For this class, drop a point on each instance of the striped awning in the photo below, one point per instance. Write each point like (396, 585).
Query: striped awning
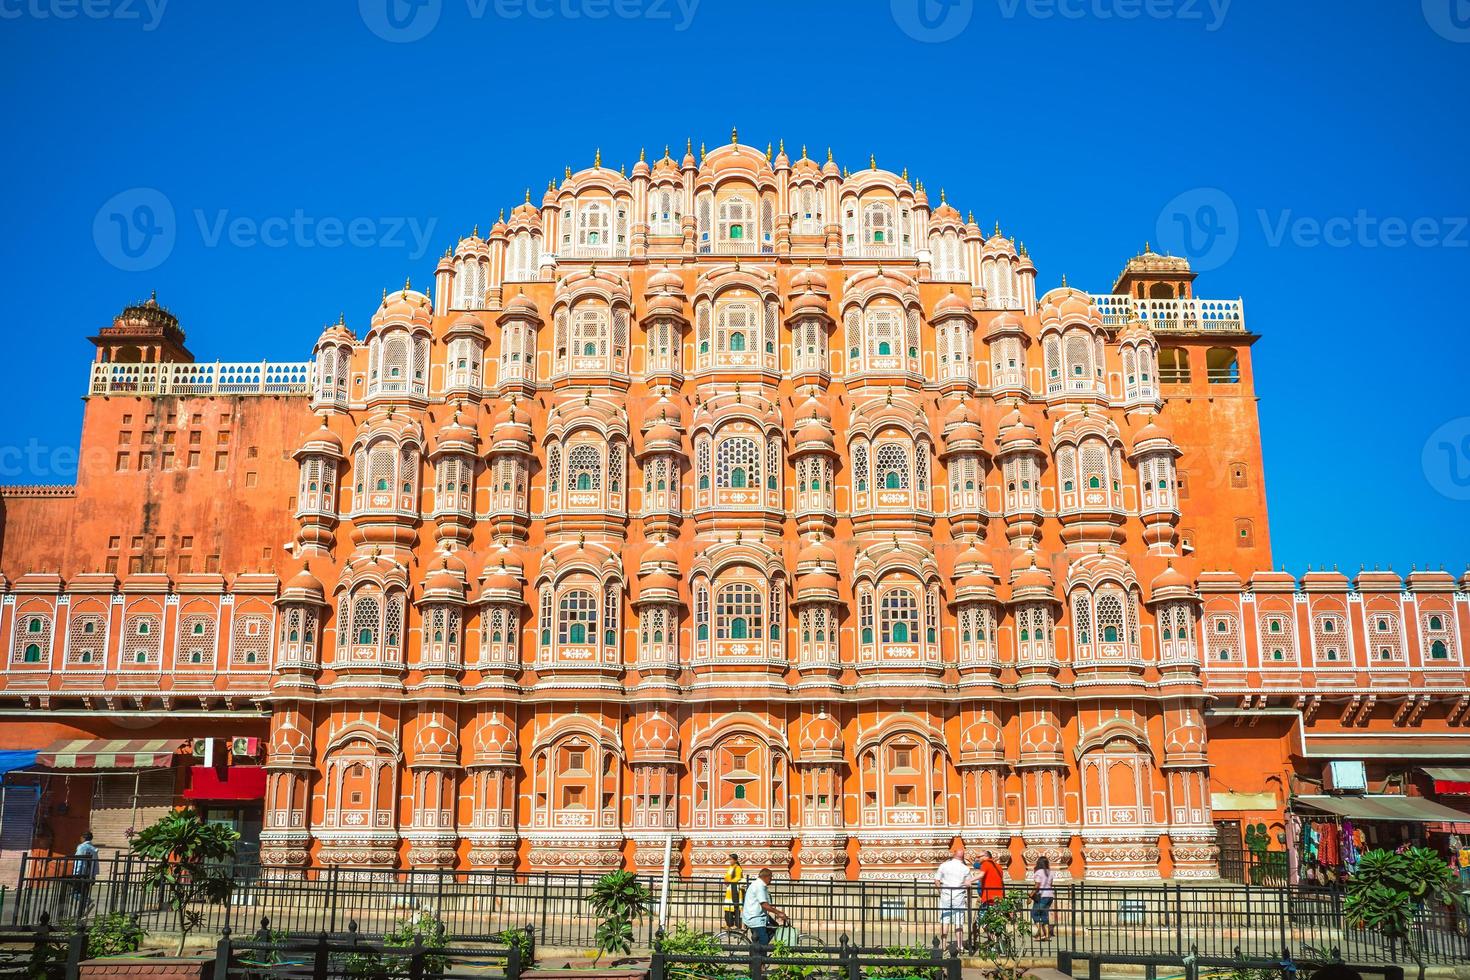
(115, 753)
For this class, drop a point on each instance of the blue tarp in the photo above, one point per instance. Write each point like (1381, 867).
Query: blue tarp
(17, 760)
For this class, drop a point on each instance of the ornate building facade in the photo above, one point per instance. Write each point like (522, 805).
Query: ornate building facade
(744, 501)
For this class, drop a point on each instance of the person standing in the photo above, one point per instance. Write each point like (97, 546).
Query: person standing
(758, 911)
(84, 871)
(1043, 893)
(734, 891)
(991, 885)
(953, 878)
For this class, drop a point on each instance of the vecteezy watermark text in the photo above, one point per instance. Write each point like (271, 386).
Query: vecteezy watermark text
(137, 229)
(405, 21)
(148, 13)
(1210, 13)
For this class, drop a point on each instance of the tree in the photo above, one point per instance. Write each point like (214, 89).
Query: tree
(1389, 890)
(620, 898)
(998, 930)
(188, 861)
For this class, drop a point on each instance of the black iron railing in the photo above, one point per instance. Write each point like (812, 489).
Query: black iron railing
(1158, 919)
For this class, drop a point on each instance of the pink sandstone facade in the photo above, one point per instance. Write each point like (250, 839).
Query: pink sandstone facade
(744, 501)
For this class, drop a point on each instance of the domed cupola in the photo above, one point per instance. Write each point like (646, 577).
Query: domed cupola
(333, 361)
(967, 462)
(666, 325)
(820, 740)
(1008, 341)
(954, 336)
(320, 460)
(661, 457)
(454, 455)
(655, 741)
(508, 468)
(398, 347)
(1021, 458)
(1153, 456)
(465, 355)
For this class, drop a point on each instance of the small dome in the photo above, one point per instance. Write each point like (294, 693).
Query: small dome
(665, 280)
(495, 742)
(520, 305)
(457, 434)
(323, 442)
(817, 552)
(809, 279)
(304, 585)
(982, 741)
(820, 738)
(816, 584)
(655, 739)
(953, 304)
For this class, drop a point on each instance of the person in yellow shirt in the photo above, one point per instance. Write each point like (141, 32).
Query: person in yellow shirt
(734, 891)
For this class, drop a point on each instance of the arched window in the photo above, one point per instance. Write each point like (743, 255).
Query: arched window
(739, 612)
(736, 216)
(899, 616)
(1438, 650)
(878, 224)
(589, 333)
(584, 468)
(893, 466)
(576, 617)
(701, 611)
(33, 653)
(592, 225)
(736, 463)
(865, 615)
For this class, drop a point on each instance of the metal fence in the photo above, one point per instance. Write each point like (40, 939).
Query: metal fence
(1160, 919)
(269, 956)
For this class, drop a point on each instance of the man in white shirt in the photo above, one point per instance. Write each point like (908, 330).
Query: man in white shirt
(954, 878)
(758, 912)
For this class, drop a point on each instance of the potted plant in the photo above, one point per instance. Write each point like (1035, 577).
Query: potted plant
(621, 900)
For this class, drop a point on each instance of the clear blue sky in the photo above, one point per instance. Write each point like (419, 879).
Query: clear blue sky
(1073, 122)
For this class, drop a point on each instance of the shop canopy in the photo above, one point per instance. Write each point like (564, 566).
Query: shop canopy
(116, 753)
(1422, 748)
(1407, 809)
(11, 761)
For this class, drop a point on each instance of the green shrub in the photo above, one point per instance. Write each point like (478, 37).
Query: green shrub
(114, 934)
(687, 941)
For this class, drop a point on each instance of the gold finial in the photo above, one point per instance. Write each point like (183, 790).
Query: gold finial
(587, 399)
(569, 173)
(623, 169)
(803, 151)
(781, 144)
(942, 198)
(689, 145)
(475, 233)
(385, 295)
(905, 174)
(407, 283)
(501, 219)
(873, 161)
(666, 151)
(734, 135)
(1022, 249)
(829, 154)
(997, 228)
(528, 195)
(702, 152)
(970, 218)
(341, 319)
(1064, 280)
(844, 173)
(642, 156)
(768, 151)
(551, 184)
(597, 158)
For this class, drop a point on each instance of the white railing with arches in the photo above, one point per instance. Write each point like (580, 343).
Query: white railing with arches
(211, 378)
(1174, 315)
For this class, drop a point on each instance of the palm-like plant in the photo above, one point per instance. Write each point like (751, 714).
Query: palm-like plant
(188, 861)
(621, 899)
(1389, 889)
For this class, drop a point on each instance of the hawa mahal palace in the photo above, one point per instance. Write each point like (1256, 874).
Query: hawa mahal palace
(745, 503)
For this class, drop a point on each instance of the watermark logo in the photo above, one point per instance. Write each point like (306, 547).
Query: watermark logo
(1203, 225)
(1450, 19)
(400, 21)
(1446, 459)
(147, 13)
(1209, 13)
(932, 21)
(135, 230)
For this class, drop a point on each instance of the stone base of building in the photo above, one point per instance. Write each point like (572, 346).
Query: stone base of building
(1121, 858)
(823, 857)
(710, 855)
(890, 858)
(648, 854)
(500, 852)
(576, 854)
(1055, 848)
(359, 853)
(1195, 856)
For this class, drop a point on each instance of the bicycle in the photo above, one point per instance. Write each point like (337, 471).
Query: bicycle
(786, 935)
